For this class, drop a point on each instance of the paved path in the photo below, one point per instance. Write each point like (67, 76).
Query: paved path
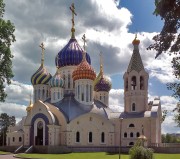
(7, 156)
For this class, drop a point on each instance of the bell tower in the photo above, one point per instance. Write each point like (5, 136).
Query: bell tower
(136, 83)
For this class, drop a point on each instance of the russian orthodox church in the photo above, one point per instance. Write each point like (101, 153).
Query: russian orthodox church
(71, 108)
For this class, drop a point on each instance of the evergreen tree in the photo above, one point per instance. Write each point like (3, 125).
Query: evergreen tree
(6, 38)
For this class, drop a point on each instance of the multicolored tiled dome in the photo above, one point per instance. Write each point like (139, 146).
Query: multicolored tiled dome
(84, 71)
(71, 55)
(41, 76)
(102, 85)
(56, 81)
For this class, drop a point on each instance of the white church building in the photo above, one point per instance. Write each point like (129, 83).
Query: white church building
(71, 108)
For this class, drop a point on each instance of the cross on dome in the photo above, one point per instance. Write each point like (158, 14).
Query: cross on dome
(72, 8)
(85, 41)
(42, 54)
(101, 64)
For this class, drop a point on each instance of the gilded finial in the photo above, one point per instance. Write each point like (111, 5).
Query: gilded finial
(42, 54)
(101, 64)
(72, 8)
(84, 46)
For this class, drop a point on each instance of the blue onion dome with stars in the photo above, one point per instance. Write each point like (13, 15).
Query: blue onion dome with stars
(57, 80)
(102, 83)
(41, 76)
(72, 53)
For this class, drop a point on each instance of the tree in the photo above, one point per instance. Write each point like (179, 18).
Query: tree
(5, 122)
(168, 41)
(6, 38)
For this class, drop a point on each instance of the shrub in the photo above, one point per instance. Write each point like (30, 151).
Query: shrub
(139, 152)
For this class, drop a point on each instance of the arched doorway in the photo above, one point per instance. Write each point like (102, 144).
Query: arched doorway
(39, 137)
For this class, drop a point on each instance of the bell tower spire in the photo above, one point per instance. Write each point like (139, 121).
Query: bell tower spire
(136, 83)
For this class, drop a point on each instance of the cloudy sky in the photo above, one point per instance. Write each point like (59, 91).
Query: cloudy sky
(109, 26)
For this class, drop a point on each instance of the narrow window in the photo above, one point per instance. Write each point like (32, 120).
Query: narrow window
(133, 83)
(125, 134)
(87, 93)
(78, 136)
(47, 93)
(137, 134)
(102, 137)
(43, 92)
(133, 108)
(131, 134)
(141, 83)
(39, 94)
(20, 139)
(78, 91)
(13, 139)
(82, 93)
(90, 93)
(69, 81)
(90, 137)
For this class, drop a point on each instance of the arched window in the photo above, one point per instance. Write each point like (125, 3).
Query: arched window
(90, 93)
(69, 81)
(131, 134)
(133, 108)
(137, 134)
(125, 134)
(87, 92)
(82, 93)
(78, 91)
(78, 136)
(131, 125)
(20, 139)
(43, 93)
(141, 83)
(131, 143)
(90, 137)
(39, 94)
(102, 137)
(133, 83)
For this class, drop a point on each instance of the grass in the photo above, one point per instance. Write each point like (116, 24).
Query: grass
(4, 153)
(98, 155)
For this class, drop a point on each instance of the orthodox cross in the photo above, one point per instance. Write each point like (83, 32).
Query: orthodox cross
(84, 40)
(42, 58)
(101, 63)
(72, 8)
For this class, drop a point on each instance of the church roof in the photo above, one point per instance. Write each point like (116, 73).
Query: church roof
(72, 109)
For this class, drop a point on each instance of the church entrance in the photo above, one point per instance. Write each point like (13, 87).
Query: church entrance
(39, 137)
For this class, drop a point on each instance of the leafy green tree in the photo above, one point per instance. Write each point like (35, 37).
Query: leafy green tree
(6, 38)
(5, 122)
(168, 41)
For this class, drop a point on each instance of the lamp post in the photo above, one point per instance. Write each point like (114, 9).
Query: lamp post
(120, 127)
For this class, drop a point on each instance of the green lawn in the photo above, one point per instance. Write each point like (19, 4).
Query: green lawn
(98, 155)
(4, 153)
